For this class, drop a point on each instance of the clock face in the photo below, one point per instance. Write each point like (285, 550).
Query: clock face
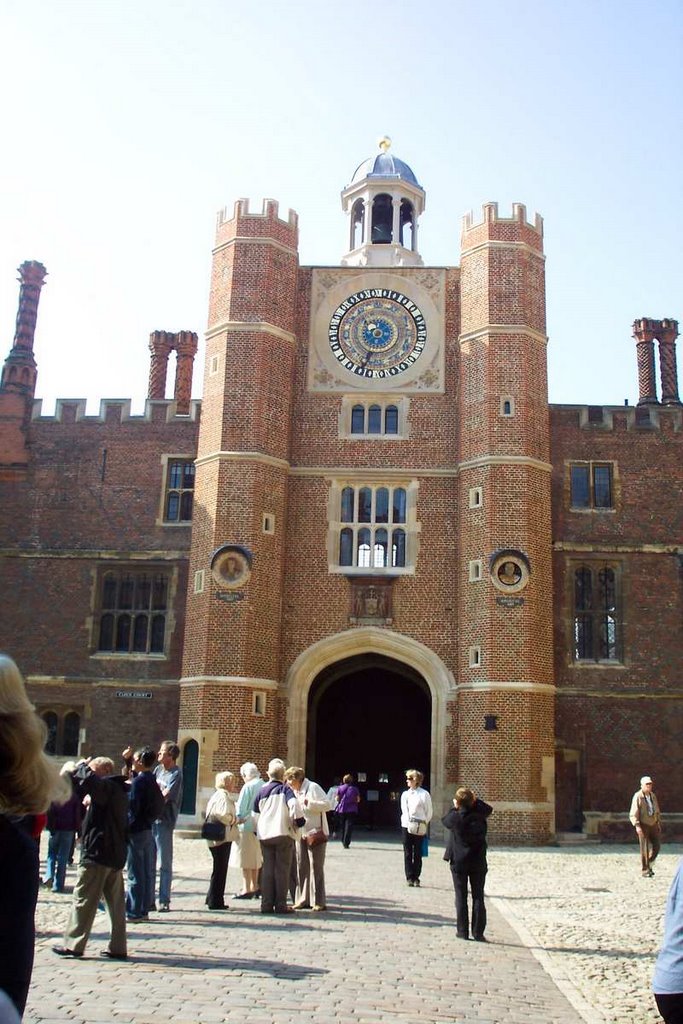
(377, 333)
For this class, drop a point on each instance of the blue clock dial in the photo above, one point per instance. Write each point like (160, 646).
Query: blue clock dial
(377, 333)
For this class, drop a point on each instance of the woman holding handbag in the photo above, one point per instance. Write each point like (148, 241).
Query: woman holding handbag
(220, 811)
(416, 813)
(312, 839)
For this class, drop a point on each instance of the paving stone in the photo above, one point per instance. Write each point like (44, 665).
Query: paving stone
(562, 949)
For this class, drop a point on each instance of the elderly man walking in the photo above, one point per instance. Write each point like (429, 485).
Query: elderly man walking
(646, 819)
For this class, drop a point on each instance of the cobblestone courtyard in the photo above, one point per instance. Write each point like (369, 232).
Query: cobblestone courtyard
(573, 933)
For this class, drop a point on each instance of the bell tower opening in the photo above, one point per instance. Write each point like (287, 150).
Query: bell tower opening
(384, 202)
(370, 715)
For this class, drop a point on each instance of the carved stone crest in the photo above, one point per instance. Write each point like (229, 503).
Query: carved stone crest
(371, 601)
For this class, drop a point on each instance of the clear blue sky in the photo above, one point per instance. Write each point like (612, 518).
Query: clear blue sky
(126, 125)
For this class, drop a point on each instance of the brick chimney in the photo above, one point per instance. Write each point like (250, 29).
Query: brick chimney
(18, 382)
(668, 332)
(161, 344)
(20, 372)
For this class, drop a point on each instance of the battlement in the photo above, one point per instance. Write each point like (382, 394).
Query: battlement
(244, 225)
(490, 215)
(607, 418)
(116, 410)
(270, 211)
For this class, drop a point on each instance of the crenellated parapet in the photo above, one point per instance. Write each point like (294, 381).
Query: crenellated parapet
(640, 418)
(245, 224)
(494, 228)
(117, 410)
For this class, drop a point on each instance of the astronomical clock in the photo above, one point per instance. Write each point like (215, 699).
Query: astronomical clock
(377, 331)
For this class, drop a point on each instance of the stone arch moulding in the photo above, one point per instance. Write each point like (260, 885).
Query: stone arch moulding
(371, 640)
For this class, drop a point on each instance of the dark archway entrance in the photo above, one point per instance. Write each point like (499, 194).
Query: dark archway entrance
(371, 716)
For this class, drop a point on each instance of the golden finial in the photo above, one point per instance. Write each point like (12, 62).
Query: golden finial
(384, 143)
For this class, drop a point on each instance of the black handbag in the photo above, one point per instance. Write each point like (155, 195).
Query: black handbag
(214, 831)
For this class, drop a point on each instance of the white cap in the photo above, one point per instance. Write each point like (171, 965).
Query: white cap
(645, 779)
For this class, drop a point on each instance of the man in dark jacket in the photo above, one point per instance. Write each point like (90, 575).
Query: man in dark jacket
(146, 804)
(466, 853)
(104, 839)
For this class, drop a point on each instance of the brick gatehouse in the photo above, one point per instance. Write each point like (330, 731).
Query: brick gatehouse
(378, 547)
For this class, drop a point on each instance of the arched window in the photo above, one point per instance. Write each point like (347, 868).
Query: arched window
(399, 506)
(382, 505)
(72, 729)
(364, 548)
(347, 503)
(367, 542)
(391, 420)
(365, 505)
(346, 547)
(357, 223)
(597, 624)
(358, 419)
(382, 217)
(381, 544)
(398, 548)
(190, 771)
(374, 420)
(51, 721)
(407, 224)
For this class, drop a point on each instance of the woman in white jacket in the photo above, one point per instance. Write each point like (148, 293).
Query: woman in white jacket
(416, 813)
(313, 805)
(221, 807)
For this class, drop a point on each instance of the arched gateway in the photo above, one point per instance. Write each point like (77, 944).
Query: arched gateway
(400, 670)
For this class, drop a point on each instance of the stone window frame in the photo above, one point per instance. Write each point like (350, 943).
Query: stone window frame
(169, 488)
(596, 566)
(475, 656)
(61, 714)
(110, 605)
(475, 570)
(259, 704)
(382, 402)
(476, 497)
(590, 466)
(410, 525)
(507, 406)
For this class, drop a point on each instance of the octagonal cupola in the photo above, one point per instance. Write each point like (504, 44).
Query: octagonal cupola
(384, 202)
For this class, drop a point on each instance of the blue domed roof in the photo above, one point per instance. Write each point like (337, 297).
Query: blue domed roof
(384, 165)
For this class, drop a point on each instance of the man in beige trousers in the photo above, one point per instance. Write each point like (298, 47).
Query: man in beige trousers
(646, 819)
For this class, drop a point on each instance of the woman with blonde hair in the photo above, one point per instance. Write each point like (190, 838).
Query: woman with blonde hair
(29, 782)
(221, 808)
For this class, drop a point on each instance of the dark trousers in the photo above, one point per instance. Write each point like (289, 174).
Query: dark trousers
(412, 855)
(476, 876)
(670, 1007)
(20, 872)
(215, 897)
(277, 863)
(346, 823)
